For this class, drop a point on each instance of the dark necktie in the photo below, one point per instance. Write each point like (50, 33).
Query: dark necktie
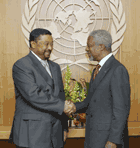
(96, 71)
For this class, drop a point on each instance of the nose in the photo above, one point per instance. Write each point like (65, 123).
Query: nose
(50, 47)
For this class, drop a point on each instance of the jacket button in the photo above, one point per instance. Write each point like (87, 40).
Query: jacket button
(94, 100)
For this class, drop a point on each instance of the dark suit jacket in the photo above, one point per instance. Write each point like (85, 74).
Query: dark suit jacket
(107, 106)
(39, 120)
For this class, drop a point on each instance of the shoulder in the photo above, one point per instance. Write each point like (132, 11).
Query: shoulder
(119, 66)
(54, 64)
(23, 62)
(119, 70)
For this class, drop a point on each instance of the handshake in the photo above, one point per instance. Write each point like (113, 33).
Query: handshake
(69, 108)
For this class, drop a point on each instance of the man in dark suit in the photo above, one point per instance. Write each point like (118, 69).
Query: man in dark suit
(107, 104)
(39, 121)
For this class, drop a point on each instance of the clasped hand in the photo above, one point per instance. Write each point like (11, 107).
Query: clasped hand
(69, 108)
(110, 145)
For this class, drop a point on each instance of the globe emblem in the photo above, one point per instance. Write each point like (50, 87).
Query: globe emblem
(71, 21)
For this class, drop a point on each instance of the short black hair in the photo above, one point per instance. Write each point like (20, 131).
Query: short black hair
(36, 33)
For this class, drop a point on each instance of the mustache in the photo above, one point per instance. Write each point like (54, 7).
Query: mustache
(47, 51)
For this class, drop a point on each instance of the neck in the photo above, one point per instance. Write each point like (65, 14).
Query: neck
(104, 54)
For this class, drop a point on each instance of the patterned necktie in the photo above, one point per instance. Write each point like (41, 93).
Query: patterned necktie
(96, 71)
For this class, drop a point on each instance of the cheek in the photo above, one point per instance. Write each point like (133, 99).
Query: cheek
(42, 48)
(92, 51)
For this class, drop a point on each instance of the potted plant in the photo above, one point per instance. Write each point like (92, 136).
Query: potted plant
(76, 92)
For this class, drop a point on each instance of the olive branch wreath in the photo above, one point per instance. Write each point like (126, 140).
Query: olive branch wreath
(118, 27)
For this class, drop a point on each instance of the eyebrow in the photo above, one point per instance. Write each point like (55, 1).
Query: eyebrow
(48, 42)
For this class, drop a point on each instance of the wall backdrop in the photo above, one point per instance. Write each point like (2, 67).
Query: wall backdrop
(13, 46)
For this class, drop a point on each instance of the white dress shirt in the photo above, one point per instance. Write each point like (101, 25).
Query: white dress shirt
(44, 63)
(102, 62)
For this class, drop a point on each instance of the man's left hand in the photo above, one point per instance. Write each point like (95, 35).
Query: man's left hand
(65, 135)
(110, 145)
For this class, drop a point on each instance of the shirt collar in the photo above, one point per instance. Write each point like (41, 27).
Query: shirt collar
(102, 62)
(43, 62)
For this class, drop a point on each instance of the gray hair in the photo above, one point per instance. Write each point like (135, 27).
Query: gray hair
(102, 37)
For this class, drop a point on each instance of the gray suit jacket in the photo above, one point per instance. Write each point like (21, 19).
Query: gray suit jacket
(39, 120)
(107, 106)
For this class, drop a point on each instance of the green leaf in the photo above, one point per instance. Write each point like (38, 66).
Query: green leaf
(90, 72)
(68, 98)
(71, 118)
(79, 85)
(87, 85)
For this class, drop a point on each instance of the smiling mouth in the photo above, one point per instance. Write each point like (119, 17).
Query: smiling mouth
(47, 52)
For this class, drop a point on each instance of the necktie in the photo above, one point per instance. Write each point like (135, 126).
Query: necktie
(96, 71)
(47, 68)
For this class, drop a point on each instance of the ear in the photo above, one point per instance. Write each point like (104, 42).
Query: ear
(33, 44)
(101, 46)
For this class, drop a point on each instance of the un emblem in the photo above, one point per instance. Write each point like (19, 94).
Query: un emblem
(70, 22)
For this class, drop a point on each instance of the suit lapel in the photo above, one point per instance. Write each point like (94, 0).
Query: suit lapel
(40, 69)
(101, 74)
(54, 73)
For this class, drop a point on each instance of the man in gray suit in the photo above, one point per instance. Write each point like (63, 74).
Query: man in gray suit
(39, 121)
(108, 102)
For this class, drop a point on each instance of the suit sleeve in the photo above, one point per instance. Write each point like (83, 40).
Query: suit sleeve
(24, 81)
(120, 90)
(64, 116)
(81, 107)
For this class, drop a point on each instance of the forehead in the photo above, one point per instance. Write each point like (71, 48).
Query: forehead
(45, 38)
(90, 41)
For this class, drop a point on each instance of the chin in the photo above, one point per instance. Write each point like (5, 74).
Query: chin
(47, 58)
